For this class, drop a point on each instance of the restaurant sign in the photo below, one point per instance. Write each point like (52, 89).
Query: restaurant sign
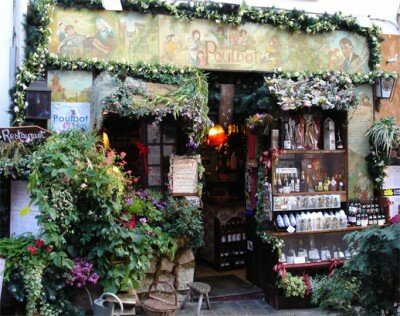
(23, 134)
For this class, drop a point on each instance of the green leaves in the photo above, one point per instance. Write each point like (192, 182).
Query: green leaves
(370, 278)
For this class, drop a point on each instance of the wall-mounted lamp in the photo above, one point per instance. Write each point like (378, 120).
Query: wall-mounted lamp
(38, 96)
(384, 88)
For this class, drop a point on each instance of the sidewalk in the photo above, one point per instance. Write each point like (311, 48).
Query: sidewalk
(245, 307)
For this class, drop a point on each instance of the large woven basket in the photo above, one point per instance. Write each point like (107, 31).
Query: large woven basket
(161, 300)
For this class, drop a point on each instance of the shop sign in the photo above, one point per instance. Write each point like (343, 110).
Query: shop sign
(131, 37)
(23, 134)
(184, 175)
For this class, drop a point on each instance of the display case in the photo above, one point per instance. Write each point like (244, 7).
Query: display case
(308, 191)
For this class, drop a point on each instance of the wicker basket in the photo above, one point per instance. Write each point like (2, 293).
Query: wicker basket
(161, 300)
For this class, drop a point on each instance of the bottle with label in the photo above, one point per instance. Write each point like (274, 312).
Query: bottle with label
(341, 184)
(297, 185)
(303, 182)
(339, 143)
(279, 185)
(326, 184)
(286, 142)
(358, 219)
(333, 185)
(352, 220)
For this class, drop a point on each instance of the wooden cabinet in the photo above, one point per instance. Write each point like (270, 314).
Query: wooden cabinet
(229, 244)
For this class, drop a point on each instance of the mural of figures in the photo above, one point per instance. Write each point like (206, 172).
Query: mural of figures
(133, 37)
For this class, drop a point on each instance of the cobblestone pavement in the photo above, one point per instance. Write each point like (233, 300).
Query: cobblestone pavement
(245, 307)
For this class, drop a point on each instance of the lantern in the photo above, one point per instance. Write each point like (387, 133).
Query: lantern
(38, 96)
(384, 87)
(216, 135)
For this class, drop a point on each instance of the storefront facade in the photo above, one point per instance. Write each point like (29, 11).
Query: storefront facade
(115, 73)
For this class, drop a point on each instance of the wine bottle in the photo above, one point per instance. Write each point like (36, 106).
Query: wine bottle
(303, 182)
(339, 143)
(286, 142)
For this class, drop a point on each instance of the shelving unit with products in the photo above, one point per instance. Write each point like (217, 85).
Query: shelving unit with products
(230, 244)
(305, 199)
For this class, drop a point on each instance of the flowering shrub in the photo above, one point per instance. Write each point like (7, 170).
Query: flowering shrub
(81, 273)
(332, 90)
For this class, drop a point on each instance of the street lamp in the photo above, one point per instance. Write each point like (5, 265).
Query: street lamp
(38, 96)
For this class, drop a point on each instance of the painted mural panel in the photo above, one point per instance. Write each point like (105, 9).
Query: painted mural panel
(133, 37)
(360, 119)
(70, 99)
(123, 37)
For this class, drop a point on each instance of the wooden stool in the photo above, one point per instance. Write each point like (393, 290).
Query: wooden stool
(201, 289)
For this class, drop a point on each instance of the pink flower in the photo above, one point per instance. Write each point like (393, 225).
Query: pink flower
(143, 220)
(122, 154)
(31, 249)
(39, 243)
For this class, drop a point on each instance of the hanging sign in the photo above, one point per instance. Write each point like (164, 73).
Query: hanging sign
(23, 134)
(184, 175)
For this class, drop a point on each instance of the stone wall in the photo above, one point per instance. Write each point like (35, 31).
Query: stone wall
(178, 272)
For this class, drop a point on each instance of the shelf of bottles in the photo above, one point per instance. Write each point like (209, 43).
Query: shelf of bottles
(230, 244)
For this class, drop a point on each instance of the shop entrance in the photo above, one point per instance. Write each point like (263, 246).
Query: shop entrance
(221, 263)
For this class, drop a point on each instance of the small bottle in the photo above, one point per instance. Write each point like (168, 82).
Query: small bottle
(303, 182)
(279, 185)
(333, 185)
(339, 143)
(286, 142)
(297, 185)
(341, 184)
(358, 219)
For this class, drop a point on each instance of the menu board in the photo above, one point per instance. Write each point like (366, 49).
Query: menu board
(391, 181)
(184, 174)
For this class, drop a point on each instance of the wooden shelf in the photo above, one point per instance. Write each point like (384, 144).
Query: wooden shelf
(326, 231)
(310, 193)
(310, 265)
(303, 151)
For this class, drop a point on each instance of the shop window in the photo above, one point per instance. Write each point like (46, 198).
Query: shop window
(162, 142)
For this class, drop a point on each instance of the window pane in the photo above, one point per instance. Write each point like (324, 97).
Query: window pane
(154, 155)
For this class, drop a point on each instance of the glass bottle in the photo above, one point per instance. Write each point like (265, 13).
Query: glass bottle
(286, 142)
(339, 143)
(303, 182)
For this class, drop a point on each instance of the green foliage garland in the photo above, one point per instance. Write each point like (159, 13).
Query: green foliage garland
(188, 101)
(38, 58)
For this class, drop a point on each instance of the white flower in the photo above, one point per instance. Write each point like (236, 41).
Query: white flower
(16, 109)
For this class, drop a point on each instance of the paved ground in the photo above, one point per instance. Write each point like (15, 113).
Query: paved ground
(246, 307)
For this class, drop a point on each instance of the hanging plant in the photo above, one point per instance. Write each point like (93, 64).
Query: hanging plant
(384, 140)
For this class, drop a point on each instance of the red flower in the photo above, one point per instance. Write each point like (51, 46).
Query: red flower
(49, 249)
(39, 243)
(31, 249)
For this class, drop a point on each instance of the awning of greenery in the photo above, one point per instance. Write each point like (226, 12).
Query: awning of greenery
(132, 97)
(39, 59)
(328, 91)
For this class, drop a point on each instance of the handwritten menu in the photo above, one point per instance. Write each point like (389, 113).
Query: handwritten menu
(184, 175)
